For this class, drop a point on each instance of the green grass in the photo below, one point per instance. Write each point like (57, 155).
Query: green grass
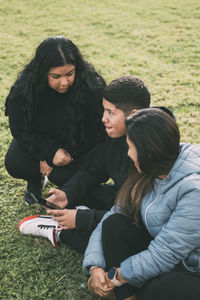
(156, 40)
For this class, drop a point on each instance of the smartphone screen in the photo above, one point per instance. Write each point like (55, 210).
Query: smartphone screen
(44, 202)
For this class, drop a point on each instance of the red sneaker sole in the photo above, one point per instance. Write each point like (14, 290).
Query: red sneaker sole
(26, 219)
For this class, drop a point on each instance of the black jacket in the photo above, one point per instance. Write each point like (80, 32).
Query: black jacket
(46, 132)
(109, 160)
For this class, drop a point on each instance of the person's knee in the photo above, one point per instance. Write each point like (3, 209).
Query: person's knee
(114, 224)
(13, 162)
(20, 164)
(10, 165)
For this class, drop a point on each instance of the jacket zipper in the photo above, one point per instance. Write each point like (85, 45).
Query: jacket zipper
(145, 214)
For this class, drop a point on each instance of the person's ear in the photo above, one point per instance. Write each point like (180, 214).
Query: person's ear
(133, 112)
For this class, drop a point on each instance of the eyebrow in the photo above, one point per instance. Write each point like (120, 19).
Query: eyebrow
(52, 73)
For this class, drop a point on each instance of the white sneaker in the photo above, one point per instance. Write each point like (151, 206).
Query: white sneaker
(41, 226)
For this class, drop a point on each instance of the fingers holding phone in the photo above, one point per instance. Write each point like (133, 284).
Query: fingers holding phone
(57, 198)
(66, 218)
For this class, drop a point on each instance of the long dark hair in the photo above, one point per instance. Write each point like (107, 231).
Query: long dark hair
(156, 137)
(32, 83)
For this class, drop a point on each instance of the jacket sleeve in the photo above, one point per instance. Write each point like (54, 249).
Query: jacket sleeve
(89, 176)
(94, 251)
(179, 236)
(41, 146)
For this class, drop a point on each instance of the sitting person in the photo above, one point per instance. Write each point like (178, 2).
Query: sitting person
(148, 246)
(55, 110)
(109, 159)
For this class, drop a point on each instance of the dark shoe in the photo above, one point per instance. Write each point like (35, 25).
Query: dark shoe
(35, 190)
(29, 199)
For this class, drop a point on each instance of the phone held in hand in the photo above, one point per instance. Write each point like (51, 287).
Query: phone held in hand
(44, 202)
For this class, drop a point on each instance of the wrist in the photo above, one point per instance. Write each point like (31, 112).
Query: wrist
(92, 268)
(65, 201)
(120, 277)
(113, 276)
(65, 198)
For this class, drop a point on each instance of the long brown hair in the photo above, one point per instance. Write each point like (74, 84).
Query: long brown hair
(156, 138)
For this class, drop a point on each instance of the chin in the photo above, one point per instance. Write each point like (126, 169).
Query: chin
(61, 91)
(109, 133)
(113, 135)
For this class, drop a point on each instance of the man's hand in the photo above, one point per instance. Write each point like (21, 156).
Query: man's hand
(58, 198)
(66, 217)
(62, 158)
(45, 169)
(97, 283)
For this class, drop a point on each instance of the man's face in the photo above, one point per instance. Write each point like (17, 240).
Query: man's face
(114, 120)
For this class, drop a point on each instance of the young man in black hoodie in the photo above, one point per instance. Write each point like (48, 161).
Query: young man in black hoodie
(72, 226)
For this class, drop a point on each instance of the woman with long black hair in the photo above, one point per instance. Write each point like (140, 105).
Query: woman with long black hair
(148, 246)
(54, 110)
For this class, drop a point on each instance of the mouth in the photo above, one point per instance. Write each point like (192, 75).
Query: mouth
(108, 128)
(62, 90)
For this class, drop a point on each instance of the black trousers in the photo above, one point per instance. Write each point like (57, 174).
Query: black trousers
(100, 201)
(21, 164)
(121, 239)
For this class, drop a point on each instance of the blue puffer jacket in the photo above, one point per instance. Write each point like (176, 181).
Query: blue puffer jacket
(171, 213)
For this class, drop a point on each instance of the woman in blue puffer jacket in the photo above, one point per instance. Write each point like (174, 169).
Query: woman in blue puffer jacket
(148, 246)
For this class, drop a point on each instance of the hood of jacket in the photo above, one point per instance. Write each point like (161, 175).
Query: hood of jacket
(187, 164)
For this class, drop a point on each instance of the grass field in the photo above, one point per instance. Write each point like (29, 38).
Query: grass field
(156, 40)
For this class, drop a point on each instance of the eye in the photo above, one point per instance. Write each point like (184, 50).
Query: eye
(55, 76)
(70, 73)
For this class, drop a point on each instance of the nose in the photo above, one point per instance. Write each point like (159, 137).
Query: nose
(63, 81)
(105, 117)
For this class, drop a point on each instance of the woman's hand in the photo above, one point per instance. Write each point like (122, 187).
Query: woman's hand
(66, 218)
(97, 283)
(119, 277)
(62, 158)
(45, 169)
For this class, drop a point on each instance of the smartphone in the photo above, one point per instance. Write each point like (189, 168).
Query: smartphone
(44, 202)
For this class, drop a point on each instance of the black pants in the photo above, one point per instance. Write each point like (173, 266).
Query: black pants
(21, 164)
(100, 201)
(121, 239)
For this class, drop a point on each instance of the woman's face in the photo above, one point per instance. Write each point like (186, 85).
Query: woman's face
(61, 78)
(132, 153)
